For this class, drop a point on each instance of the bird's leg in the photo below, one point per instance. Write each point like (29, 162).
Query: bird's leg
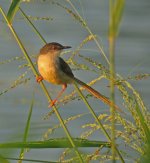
(64, 86)
(39, 78)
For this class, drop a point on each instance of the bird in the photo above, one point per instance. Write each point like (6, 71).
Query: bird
(55, 70)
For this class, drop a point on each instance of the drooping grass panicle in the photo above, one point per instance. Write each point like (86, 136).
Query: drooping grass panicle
(22, 79)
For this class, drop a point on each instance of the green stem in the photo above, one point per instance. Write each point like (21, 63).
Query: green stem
(42, 85)
(112, 75)
(32, 25)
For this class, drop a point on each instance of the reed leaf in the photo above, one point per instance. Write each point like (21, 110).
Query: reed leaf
(117, 13)
(144, 125)
(55, 143)
(26, 130)
(3, 160)
(29, 160)
(13, 10)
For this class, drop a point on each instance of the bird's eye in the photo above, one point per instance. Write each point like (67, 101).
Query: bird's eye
(54, 47)
(57, 48)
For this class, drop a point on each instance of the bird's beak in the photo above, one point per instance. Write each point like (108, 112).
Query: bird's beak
(66, 47)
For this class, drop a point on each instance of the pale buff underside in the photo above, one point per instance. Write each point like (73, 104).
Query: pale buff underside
(50, 71)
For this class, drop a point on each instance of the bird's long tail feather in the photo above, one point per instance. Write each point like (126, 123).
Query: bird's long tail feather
(97, 94)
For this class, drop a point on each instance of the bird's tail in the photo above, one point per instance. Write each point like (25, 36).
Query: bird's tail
(97, 94)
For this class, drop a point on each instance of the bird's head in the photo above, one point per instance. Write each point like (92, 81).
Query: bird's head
(53, 48)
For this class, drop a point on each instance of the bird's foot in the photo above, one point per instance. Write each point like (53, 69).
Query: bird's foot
(52, 103)
(39, 79)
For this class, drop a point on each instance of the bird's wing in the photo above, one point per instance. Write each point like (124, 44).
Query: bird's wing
(65, 67)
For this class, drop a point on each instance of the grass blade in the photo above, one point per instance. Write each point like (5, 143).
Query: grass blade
(119, 6)
(116, 15)
(13, 10)
(146, 157)
(56, 143)
(29, 160)
(143, 124)
(3, 160)
(26, 130)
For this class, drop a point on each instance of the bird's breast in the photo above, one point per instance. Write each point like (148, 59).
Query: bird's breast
(49, 69)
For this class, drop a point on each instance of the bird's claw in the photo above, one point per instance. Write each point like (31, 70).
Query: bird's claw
(39, 79)
(52, 103)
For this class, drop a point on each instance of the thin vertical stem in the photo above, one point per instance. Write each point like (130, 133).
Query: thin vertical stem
(32, 25)
(112, 75)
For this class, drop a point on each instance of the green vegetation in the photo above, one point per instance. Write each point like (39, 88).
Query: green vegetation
(133, 133)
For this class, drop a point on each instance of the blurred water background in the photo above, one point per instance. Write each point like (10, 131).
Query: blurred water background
(132, 57)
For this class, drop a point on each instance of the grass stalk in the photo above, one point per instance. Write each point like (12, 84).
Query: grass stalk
(32, 25)
(112, 74)
(115, 14)
(26, 130)
(28, 160)
(42, 85)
